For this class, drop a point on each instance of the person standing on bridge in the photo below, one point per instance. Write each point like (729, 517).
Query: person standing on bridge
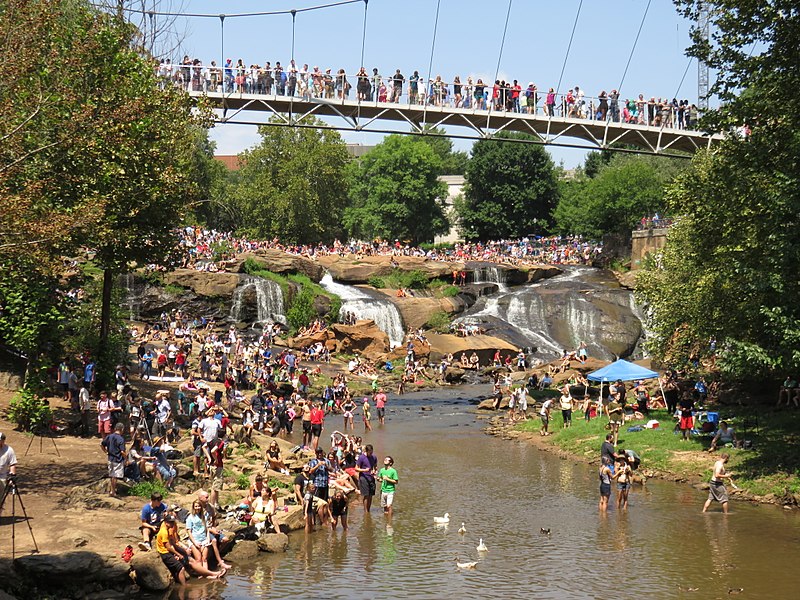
(613, 106)
(397, 86)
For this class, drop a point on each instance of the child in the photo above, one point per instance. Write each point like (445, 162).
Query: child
(605, 483)
(366, 415)
(623, 474)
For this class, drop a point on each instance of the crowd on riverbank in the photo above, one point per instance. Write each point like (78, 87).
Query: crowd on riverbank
(304, 82)
(211, 250)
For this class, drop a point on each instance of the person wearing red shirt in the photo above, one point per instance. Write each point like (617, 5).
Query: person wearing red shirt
(317, 419)
(380, 404)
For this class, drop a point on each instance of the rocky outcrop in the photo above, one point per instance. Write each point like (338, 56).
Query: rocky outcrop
(351, 269)
(364, 338)
(290, 520)
(273, 542)
(540, 272)
(202, 283)
(68, 569)
(483, 345)
(280, 262)
(151, 574)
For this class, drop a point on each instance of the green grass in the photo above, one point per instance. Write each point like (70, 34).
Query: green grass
(771, 467)
(175, 290)
(415, 280)
(276, 483)
(439, 321)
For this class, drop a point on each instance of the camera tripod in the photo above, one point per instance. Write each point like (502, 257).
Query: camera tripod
(13, 491)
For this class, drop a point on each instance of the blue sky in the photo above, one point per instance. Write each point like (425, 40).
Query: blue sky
(400, 32)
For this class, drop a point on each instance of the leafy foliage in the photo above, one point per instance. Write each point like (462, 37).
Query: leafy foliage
(452, 162)
(730, 265)
(510, 191)
(439, 321)
(145, 489)
(622, 190)
(292, 185)
(395, 193)
(29, 411)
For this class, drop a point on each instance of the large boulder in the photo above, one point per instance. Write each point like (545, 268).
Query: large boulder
(364, 338)
(359, 269)
(71, 569)
(483, 345)
(291, 519)
(309, 340)
(273, 542)
(203, 283)
(280, 262)
(151, 574)
(243, 552)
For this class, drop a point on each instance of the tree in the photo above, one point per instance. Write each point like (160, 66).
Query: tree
(396, 194)
(510, 191)
(292, 185)
(452, 162)
(730, 265)
(617, 196)
(97, 153)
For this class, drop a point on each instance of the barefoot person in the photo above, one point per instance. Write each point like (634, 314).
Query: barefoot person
(605, 483)
(176, 556)
(623, 474)
(544, 413)
(388, 478)
(716, 490)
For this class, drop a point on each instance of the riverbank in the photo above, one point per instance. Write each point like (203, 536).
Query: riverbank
(764, 473)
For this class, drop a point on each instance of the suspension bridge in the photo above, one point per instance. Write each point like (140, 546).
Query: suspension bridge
(588, 128)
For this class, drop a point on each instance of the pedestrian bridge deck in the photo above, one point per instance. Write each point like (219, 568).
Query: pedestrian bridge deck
(371, 116)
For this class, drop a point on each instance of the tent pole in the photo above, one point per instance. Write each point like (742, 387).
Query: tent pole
(663, 395)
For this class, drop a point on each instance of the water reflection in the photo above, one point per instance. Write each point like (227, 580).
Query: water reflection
(506, 492)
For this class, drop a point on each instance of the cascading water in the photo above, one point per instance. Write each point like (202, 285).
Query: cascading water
(130, 296)
(582, 305)
(491, 274)
(268, 300)
(365, 306)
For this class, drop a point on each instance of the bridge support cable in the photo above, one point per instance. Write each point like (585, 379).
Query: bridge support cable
(499, 58)
(363, 44)
(569, 47)
(222, 62)
(430, 64)
(635, 42)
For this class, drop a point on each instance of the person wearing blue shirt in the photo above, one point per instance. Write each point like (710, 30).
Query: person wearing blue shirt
(89, 373)
(152, 514)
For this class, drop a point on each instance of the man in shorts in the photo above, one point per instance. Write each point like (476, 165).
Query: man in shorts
(114, 447)
(716, 490)
(176, 556)
(366, 466)
(152, 515)
(380, 404)
(388, 478)
(547, 406)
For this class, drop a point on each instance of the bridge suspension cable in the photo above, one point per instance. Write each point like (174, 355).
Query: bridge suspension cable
(234, 15)
(636, 41)
(430, 64)
(569, 46)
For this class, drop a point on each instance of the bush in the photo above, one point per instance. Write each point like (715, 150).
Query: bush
(377, 282)
(439, 322)
(450, 291)
(29, 411)
(145, 489)
(243, 481)
(302, 312)
(175, 290)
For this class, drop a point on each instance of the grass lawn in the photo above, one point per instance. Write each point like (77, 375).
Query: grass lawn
(771, 467)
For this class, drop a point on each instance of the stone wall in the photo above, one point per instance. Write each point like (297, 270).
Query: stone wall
(646, 242)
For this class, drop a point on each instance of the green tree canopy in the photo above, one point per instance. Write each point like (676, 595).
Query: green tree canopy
(510, 191)
(395, 192)
(292, 185)
(453, 162)
(619, 194)
(730, 265)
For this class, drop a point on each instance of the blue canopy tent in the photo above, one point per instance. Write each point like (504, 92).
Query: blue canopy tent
(622, 370)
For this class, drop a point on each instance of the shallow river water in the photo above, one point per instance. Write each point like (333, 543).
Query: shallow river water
(505, 492)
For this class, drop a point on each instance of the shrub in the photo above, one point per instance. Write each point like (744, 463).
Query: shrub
(243, 481)
(439, 322)
(450, 291)
(145, 489)
(175, 290)
(302, 312)
(377, 282)
(29, 411)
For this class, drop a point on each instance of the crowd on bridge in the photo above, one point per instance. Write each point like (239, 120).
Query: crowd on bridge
(210, 250)
(304, 82)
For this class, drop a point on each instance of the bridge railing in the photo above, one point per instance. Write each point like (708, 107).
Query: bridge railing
(436, 93)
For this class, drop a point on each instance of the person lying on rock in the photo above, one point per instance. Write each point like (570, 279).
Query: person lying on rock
(176, 556)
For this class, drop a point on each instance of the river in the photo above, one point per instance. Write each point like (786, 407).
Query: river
(505, 492)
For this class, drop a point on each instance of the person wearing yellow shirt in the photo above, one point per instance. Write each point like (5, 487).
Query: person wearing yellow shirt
(176, 556)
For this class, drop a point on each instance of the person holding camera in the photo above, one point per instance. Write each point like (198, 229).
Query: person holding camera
(8, 464)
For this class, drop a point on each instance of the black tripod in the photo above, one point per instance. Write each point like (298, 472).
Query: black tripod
(13, 491)
(41, 435)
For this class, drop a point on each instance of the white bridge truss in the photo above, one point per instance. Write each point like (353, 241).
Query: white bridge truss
(369, 116)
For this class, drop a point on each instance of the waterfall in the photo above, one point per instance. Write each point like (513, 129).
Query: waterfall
(268, 300)
(582, 305)
(491, 274)
(130, 296)
(366, 306)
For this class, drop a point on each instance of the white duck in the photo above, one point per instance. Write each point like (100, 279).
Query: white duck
(463, 529)
(442, 520)
(466, 565)
(482, 547)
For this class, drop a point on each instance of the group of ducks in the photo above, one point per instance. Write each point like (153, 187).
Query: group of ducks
(481, 548)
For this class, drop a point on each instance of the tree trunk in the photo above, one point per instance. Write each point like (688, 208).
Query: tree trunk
(105, 326)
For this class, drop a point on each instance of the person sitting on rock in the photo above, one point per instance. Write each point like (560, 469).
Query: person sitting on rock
(474, 361)
(274, 459)
(263, 511)
(176, 556)
(151, 515)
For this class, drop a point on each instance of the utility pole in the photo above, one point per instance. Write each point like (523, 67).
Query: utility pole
(702, 68)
